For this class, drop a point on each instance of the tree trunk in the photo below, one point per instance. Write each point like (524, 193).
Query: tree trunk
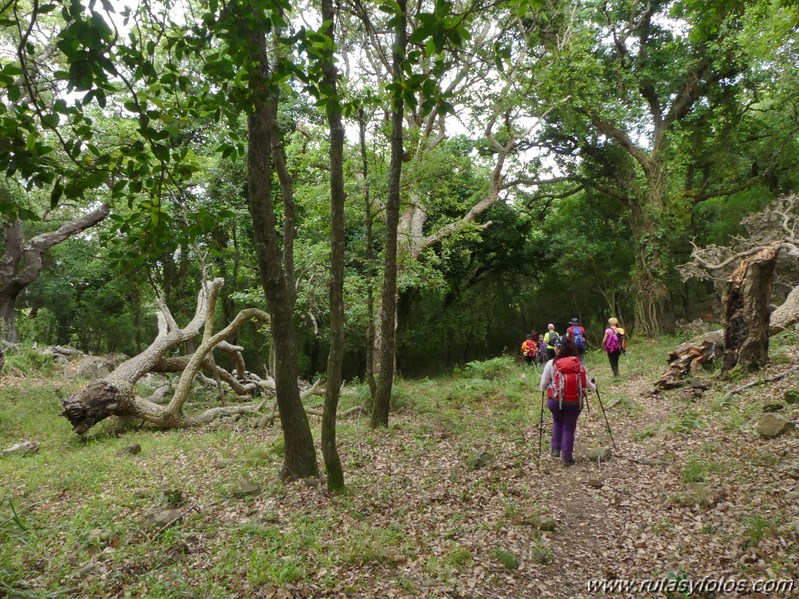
(647, 278)
(8, 325)
(300, 459)
(370, 266)
(382, 402)
(335, 473)
(21, 261)
(746, 311)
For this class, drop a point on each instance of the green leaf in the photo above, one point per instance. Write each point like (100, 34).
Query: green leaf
(80, 75)
(55, 195)
(25, 214)
(51, 120)
(119, 186)
(431, 48)
(100, 26)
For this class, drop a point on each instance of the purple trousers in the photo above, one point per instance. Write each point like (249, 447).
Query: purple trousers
(565, 423)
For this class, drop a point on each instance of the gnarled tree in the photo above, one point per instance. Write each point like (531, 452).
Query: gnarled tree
(21, 261)
(115, 395)
(747, 270)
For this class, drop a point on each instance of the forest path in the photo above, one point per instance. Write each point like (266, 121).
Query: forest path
(448, 502)
(691, 493)
(595, 503)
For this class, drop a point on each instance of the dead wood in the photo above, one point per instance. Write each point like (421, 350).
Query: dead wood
(768, 379)
(689, 358)
(114, 395)
(746, 311)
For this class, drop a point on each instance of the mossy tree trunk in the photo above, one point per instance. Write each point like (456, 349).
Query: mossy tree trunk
(275, 264)
(387, 334)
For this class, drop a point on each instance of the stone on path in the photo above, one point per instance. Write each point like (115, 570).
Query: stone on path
(599, 454)
(130, 450)
(159, 517)
(246, 490)
(771, 426)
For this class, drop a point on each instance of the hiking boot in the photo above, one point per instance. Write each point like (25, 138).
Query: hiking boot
(555, 453)
(568, 463)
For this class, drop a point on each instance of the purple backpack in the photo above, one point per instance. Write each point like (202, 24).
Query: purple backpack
(612, 344)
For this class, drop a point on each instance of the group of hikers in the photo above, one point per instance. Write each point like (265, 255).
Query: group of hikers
(564, 378)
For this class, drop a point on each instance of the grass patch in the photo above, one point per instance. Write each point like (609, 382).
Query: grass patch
(509, 561)
(684, 422)
(646, 432)
(694, 470)
(758, 527)
(371, 545)
(494, 369)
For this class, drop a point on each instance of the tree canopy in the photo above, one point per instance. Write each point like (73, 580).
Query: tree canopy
(541, 161)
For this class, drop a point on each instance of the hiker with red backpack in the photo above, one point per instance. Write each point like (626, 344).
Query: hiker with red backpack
(565, 381)
(613, 343)
(577, 334)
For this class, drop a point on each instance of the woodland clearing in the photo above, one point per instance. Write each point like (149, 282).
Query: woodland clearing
(447, 502)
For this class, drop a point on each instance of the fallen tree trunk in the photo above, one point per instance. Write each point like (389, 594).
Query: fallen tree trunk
(114, 395)
(786, 314)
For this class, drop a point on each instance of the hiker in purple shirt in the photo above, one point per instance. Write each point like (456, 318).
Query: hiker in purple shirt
(565, 380)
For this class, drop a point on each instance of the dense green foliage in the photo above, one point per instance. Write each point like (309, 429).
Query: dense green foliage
(659, 123)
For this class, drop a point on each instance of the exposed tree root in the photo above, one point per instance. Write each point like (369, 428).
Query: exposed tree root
(768, 379)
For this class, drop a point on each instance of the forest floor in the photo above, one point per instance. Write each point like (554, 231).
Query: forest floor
(449, 501)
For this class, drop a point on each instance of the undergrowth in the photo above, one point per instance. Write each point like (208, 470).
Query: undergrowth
(70, 514)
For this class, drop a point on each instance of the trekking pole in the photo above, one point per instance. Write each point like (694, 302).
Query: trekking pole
(610, 432)
(540, 429)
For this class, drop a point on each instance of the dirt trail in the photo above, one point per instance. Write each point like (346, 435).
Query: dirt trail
(711, 501)
(592, 501)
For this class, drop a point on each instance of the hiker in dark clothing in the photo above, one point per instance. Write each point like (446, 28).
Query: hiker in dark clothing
(565, 381)
(543, 354)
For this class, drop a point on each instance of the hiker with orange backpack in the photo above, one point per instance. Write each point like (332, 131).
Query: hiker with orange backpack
(565, 381)
(529, 350)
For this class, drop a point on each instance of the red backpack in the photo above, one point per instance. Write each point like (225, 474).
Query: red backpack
(568, 380)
